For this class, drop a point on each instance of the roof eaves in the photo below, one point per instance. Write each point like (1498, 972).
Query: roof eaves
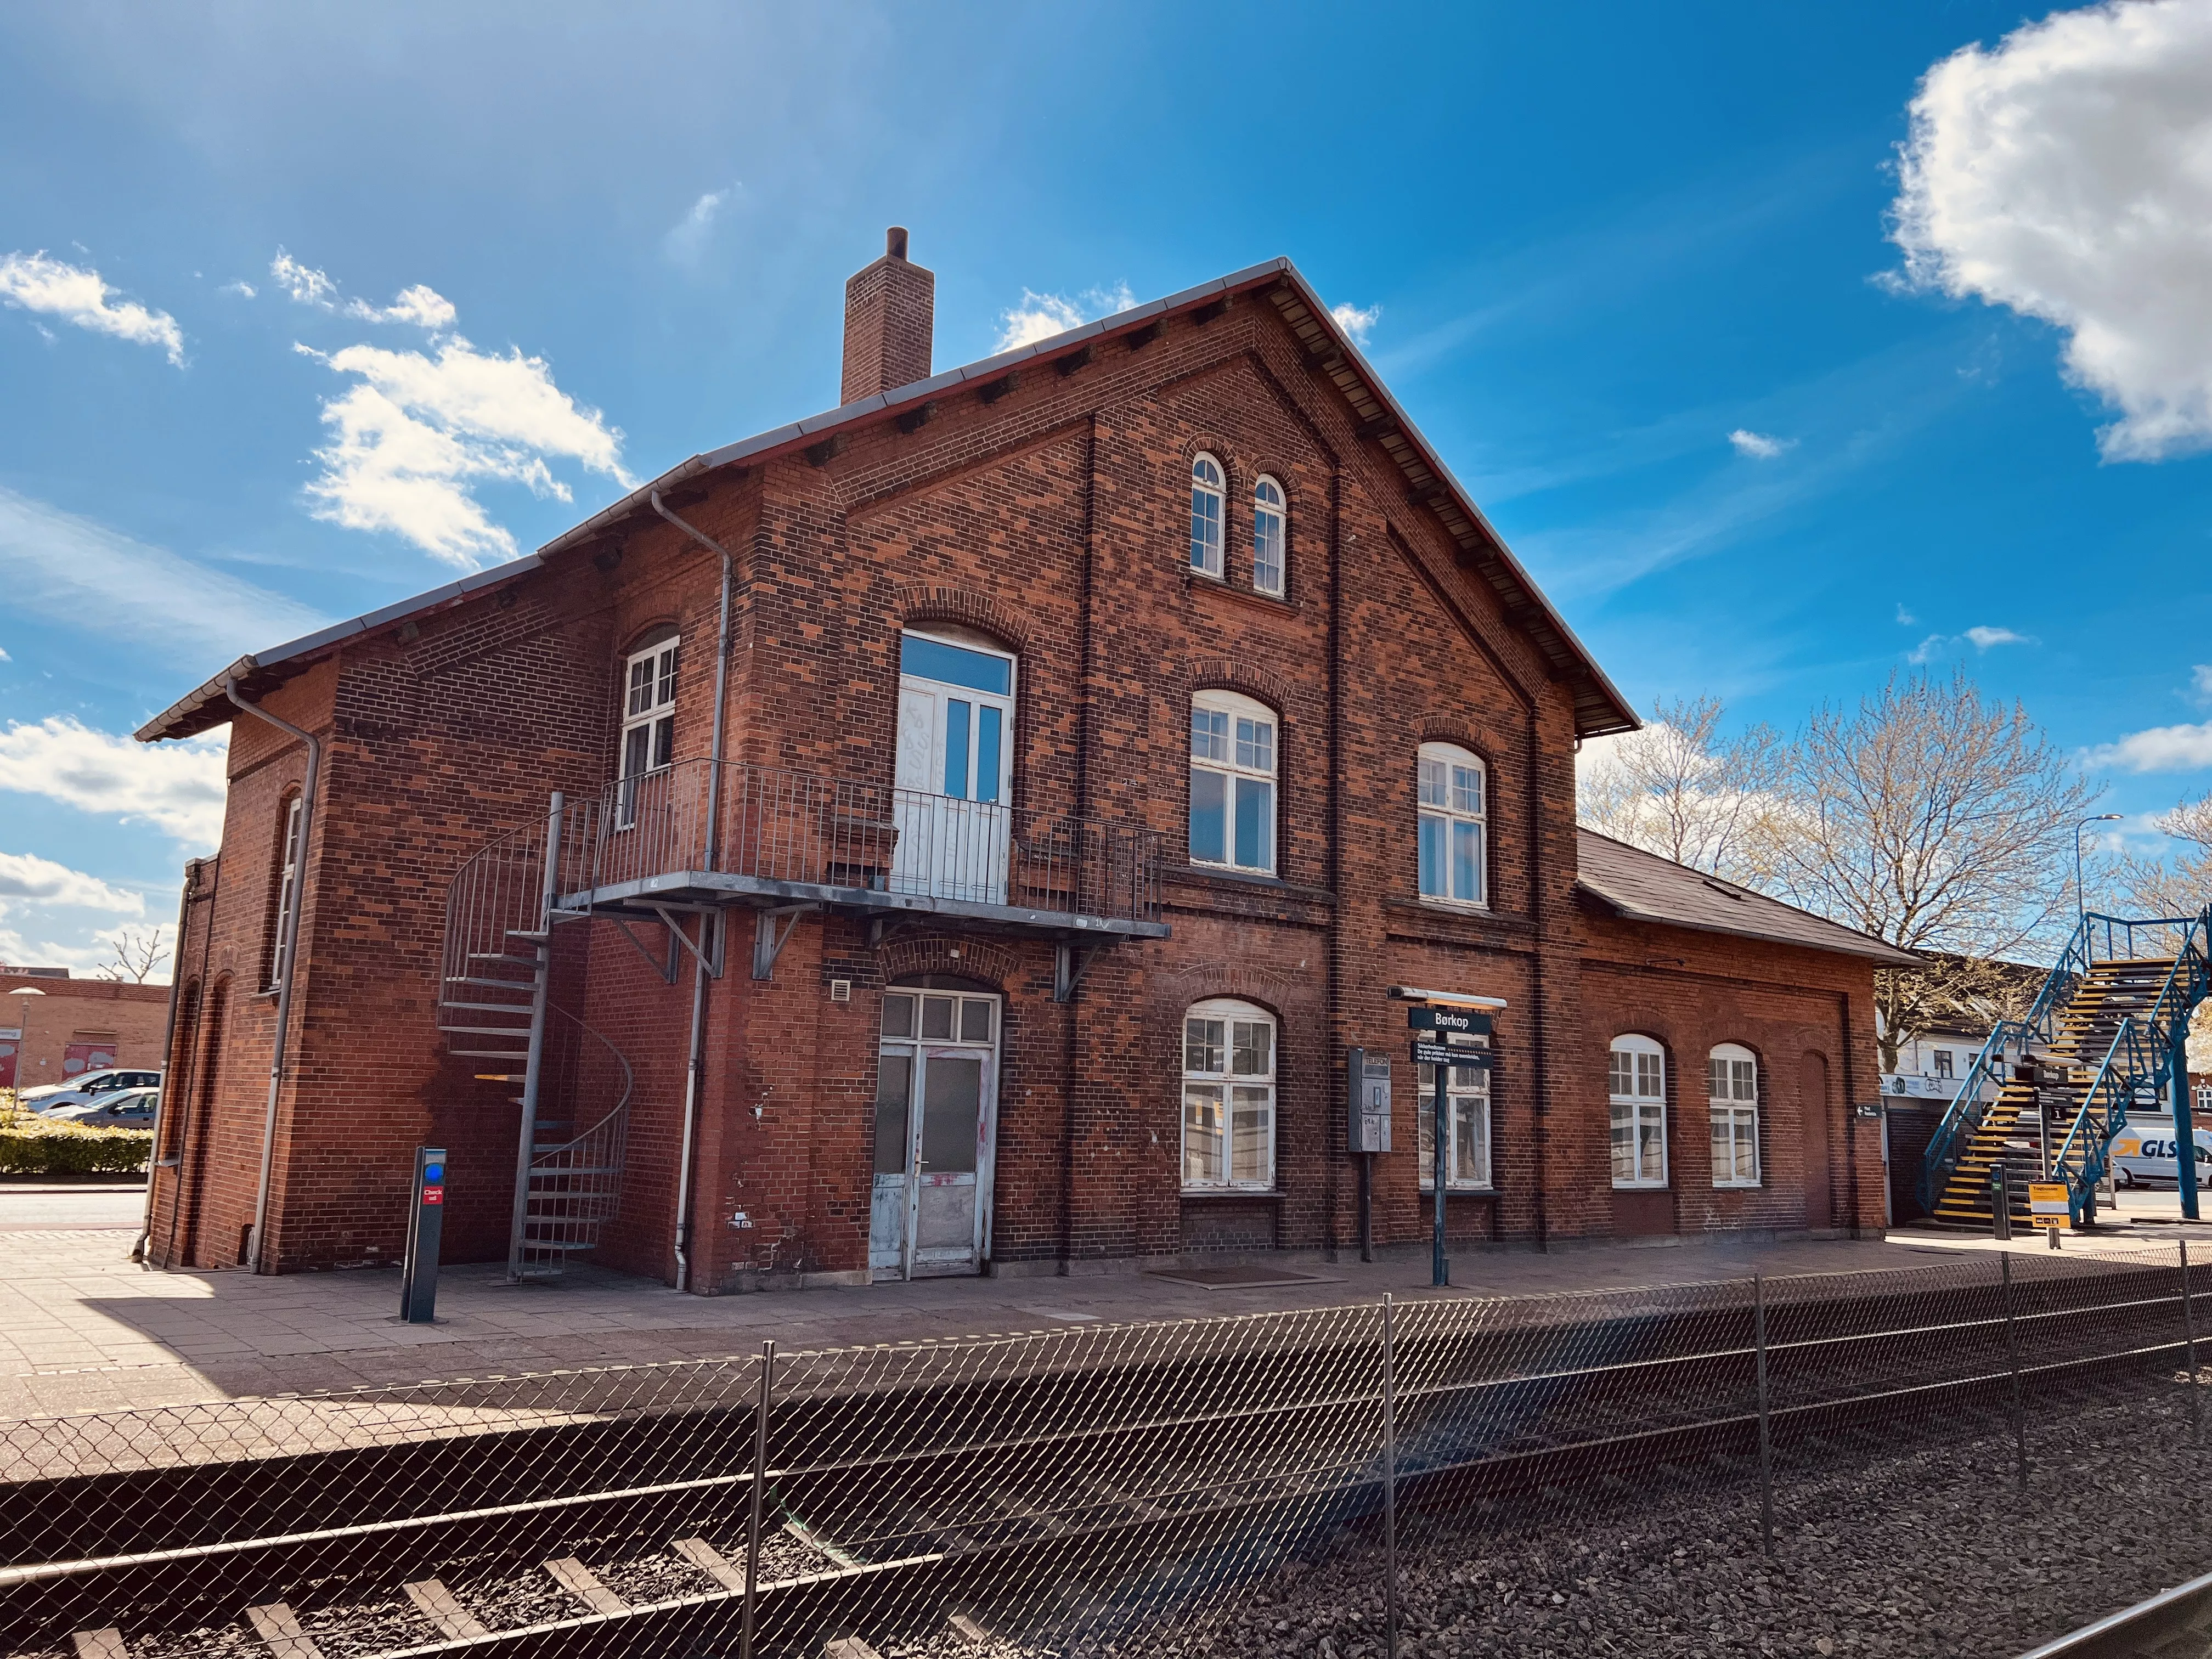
(1848, 941)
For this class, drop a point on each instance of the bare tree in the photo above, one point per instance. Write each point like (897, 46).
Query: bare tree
(1681, 789)
(137, 957)
(2181, 886)
(1935, 819)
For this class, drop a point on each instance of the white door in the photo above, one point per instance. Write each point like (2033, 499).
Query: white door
(936, 1099)
(955, 770)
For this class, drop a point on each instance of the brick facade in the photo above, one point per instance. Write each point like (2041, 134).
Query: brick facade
(1046, 509)
(53, 1015)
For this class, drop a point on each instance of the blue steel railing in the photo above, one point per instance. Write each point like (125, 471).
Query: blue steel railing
(2149, 1043)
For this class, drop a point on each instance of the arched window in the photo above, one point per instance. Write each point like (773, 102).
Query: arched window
(1205, 515)
(1467, 1124)
(1636, 1082)
(1271, 522)
(287, 893)
(1732, 1085)
(1232, 782)
(1228, 1097)
(1454, 803)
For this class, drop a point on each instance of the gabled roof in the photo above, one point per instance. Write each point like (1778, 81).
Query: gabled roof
(1640, 887)
(1599, 707)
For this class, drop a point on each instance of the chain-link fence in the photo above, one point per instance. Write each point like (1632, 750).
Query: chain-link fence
(1963, 1458)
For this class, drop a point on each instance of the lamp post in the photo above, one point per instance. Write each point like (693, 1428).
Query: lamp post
(2082, 899)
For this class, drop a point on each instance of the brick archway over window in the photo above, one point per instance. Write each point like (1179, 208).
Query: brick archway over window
(1196, 981)
(895, 959)
(1228, 674)
(1450, 728)
(921, 605)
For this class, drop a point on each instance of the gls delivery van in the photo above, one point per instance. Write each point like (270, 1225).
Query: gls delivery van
(2143, 1156)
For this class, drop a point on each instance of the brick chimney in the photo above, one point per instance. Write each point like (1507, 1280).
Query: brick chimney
(889, 315)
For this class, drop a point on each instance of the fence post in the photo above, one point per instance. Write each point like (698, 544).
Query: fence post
(1765, 1435)
(760, 1483)
(2189, 1334)
(1389, 1480)
(2012, 1365)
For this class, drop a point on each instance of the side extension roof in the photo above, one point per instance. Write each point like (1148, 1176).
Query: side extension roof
(1599, 707)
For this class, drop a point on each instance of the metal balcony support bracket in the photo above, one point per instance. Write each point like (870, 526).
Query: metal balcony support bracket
(769, 939)
(708, 952)
(1068, 964)
(665, 968)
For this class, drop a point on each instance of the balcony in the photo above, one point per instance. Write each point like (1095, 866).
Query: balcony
(795, 840)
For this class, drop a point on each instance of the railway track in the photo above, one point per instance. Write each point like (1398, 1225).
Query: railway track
(1005, 1486)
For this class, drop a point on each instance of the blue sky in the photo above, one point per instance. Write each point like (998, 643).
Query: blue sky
(502, 259)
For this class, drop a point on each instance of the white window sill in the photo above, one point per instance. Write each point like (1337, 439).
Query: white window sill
(1428, 1190)
(1737, 1186)
(1233, 1192)
(1208, 575)
(1243, 872)
(1454, 907)
(1639, 1186)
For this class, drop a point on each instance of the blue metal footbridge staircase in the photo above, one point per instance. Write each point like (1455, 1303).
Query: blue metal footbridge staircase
(2049, 1094)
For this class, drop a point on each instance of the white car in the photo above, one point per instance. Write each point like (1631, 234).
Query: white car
(91, 1086)
(2143, 1155)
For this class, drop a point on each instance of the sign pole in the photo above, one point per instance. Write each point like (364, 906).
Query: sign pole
(1440, 1267)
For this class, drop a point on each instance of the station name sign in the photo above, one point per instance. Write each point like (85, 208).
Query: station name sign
(1448, 1021)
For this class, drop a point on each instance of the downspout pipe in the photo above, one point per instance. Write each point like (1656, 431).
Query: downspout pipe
(168, 1055)
(286, 949)
(696, 1057)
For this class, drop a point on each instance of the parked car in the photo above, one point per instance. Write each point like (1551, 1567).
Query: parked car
(118, 1109)
(91, 1086)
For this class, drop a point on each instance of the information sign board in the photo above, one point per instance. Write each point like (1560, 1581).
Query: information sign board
(2047, 1203)
(1438, 1054)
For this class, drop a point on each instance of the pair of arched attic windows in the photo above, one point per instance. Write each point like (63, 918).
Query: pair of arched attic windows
(1271, 527)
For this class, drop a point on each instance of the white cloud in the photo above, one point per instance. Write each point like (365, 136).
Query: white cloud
(408, 443)
(27, 877)
(242, 288)
(1904, 618)
(1757, 445)
(424, 308)
(75, 293)
(2200, 682)
(2064, 175)
(2162, 749)
(82, 575)
(1356, 320)
(1929, 649)
(687, 238)
(1984, 636)
(1040, 316)
(177, 787)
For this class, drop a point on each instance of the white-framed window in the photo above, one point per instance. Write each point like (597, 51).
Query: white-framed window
(1636, 1083)
(1467, 1124)
(1732, 1086)
(288, 887)
(648, 722)
(1270, 524)
(2202, 1096)
(1232, 782)
(1454, 829)
(1205, 515)
(648, 731)
(1943, 1061)
(1228, 1097)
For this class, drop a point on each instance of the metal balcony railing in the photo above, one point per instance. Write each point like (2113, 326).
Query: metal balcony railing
(798, 830)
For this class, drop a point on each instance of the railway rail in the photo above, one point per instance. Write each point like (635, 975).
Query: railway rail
(895, 1487)
(2175, 1623)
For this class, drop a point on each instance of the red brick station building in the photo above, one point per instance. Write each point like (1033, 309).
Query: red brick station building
(990, 813)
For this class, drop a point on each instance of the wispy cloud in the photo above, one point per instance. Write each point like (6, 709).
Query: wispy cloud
(241, 287)
(1904, 618)
(2200, 682)
(1759, 446)
(76, 573)
(177, 787)
(2184, 748)
(410, 443)
(80, 296)
(424, 308)
(1982, 636)
(1040, 316)
(686, 239)
(1357, 321)
(25, 878)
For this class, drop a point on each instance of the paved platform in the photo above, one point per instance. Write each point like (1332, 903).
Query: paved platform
(83, 1329)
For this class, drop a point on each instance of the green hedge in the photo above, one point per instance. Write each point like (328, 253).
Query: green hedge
(29, 1147)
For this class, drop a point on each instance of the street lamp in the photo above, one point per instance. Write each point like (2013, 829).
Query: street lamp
(2080, 899)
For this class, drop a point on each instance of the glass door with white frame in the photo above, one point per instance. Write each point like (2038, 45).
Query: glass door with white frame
(936, 1114)
(955, 770)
